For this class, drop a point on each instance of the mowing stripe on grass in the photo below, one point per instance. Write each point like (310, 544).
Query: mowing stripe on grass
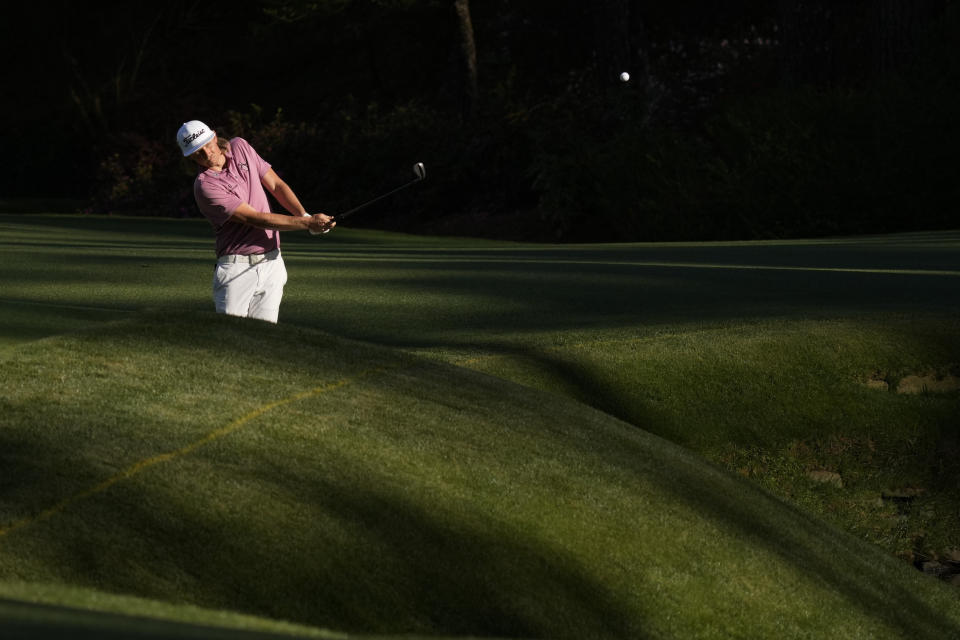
(576, 345)
(355, 257)
(59, 305)
(146, 463)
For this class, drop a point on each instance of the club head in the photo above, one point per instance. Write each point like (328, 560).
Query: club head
(420, 171)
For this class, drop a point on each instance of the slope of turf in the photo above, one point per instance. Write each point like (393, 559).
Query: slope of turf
(782, 401)
(776, 360)
(283, 472)
(85, 614)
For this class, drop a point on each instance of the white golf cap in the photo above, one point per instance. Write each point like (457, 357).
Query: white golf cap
(193, 135)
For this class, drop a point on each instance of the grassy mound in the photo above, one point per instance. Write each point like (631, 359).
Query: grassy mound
(787, 403)
(285, 473)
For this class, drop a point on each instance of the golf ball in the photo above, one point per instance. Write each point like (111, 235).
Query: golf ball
(624, 76)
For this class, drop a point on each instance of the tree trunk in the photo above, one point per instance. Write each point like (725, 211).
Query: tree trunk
(468, 48)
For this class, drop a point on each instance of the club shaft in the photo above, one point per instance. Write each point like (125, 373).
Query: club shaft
(343, 215)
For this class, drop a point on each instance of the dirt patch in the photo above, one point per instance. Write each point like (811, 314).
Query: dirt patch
(941, 380)
(929, 383)
(826, 477)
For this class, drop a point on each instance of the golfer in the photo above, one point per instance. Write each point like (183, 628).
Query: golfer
(230, 192)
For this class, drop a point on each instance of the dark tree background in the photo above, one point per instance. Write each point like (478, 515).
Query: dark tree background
(742, 119)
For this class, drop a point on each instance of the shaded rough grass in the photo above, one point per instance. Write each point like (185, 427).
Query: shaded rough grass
(339, 485)
(795, 400)
(56, 611)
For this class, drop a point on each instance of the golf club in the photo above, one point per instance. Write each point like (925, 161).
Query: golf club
(418, 169)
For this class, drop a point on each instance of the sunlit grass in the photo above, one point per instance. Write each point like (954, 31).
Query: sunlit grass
(638, 481)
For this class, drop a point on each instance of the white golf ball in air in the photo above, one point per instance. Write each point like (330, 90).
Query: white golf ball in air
(624, 77)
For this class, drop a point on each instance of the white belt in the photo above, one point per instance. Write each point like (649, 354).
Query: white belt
(254, 258)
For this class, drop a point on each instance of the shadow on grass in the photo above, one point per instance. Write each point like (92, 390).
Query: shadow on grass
(23, 321)
(399, 567)
(26, 621)
(824, 554)
(582, 383)
(404, 304)
(358, 559)
(445, 573)
(362, 556)
(847, 565)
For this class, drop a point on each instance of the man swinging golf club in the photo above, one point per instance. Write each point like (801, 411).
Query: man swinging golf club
(230, 192)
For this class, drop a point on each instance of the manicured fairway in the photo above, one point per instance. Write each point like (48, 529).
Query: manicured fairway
(413, 290)
(448, 436)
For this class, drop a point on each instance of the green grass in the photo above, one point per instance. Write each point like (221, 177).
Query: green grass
(447, 436)
(794, 400)
(96, 615)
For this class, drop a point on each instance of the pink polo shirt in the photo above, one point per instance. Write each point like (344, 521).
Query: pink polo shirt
(219, 193)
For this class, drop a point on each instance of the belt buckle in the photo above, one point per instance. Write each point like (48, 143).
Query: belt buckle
(257, 258)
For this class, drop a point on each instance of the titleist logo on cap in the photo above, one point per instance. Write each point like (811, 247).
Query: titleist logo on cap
(193, 136)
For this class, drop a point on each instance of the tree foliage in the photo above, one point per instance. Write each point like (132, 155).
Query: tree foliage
(746, 118)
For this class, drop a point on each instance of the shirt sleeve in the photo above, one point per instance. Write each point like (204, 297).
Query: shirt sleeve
(216, 202)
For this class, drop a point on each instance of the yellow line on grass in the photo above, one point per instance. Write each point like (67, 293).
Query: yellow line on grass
(146, 463)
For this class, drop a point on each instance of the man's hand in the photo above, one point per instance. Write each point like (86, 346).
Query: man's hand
(320, 223)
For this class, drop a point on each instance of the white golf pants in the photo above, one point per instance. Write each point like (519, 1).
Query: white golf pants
(250, 290)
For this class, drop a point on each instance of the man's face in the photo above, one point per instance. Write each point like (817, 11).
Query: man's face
(209, 155)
